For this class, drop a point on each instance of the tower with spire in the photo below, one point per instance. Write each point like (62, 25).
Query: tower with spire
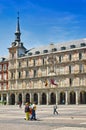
(17, 49)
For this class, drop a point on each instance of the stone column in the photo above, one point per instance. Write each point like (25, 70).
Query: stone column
(38, 98)
(31, 98)
(7, 98)
(47, 98)
(56, 98)
(23, 98)
(16, 99)
(77, 98)
(66, 97)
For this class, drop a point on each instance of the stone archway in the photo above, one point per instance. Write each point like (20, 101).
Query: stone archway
(82, 97)
(62, 98)
(44, 99)
(12, 99)
(28, 97)
(20, 98)
(72, 97)
(53, 98)
(36, 98)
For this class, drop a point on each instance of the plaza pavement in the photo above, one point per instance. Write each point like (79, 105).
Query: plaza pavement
(70, 117)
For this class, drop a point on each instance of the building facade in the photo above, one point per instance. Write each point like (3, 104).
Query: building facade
(52, 74)
(3, 79)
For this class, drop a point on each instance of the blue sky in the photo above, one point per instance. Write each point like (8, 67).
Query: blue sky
(41, 22)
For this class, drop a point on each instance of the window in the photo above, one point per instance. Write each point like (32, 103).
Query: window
(34, 62)
(4, 67)
(81, 69)
(45, 51)
(43, 61)
(5, 76)
(34, 73)
(19, 64)
(19, 74)
(70, 57)
(12, 75)
(69, 69)
(72, 46)
(29, 54)
(59, 58)
(4, 86)
(27, 63)
(63, 48)
(70, 81)
(82, 44)
(37, 52)
(80, 56)
(27, 73)
(54, 49)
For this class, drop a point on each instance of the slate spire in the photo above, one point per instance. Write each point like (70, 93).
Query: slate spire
(17, 33)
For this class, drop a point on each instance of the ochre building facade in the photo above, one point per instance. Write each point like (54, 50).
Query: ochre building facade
(51, 74)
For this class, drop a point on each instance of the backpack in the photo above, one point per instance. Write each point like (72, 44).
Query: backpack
(27, 109)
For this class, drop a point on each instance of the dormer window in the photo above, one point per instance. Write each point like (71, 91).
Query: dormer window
(63, 48)
(45, 51)
(37, 52)
(21, 55)
(54, 49)
(29, 54)
(72, 46)
(82, 44)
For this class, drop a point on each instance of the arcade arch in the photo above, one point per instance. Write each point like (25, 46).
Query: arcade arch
(12, 99)
(62, 97)
(27, 97)
(36, 98)
(52, 98)
(82, 97)
(72, 97)
(44, 99)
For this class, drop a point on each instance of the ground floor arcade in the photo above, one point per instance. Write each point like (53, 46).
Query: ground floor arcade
(44, 96)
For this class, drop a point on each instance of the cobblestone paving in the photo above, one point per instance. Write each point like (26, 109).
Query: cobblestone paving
(69, 118)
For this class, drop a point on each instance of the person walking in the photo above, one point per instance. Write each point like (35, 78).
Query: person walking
(55, 109)
(26, 111)
(33, 116)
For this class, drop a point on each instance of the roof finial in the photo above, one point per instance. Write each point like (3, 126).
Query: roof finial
(18, 14)
(17, 30)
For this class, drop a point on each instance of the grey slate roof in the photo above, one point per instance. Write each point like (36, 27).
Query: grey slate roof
(57, 46)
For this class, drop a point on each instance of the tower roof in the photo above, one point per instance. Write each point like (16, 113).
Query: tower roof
(17, 33)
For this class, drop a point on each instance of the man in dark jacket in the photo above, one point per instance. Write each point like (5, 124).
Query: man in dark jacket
(55, 110)
(27, 111)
